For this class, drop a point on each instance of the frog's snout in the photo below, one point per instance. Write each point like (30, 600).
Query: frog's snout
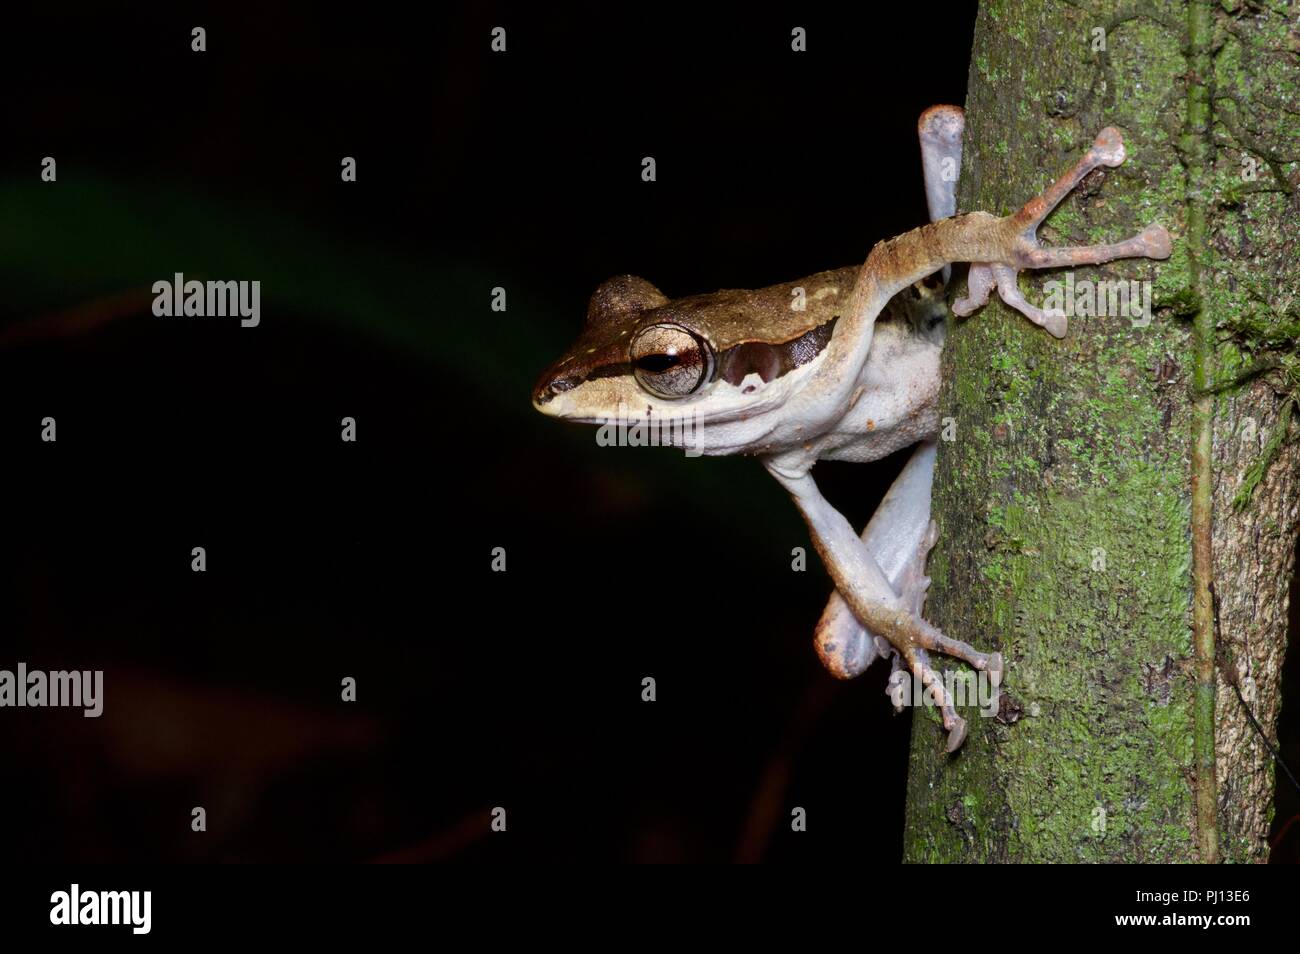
(554, 381)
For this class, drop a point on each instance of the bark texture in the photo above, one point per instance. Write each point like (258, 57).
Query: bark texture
(1065, 499)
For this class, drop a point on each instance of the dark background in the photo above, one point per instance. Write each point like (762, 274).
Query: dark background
(372, 559)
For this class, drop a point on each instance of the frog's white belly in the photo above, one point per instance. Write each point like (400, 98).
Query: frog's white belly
(898, 404)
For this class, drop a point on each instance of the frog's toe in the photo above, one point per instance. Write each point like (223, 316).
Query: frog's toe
(995, 669)
(937, 695)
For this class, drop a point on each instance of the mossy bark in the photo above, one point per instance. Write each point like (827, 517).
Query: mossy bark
(1065, 500)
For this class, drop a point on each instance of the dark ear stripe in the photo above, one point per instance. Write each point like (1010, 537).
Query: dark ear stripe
(769, 361)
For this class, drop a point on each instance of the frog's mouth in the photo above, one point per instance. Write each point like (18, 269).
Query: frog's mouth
(604, 399)
(619, 402)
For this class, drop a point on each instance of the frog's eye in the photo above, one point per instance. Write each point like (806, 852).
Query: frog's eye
(670, 361)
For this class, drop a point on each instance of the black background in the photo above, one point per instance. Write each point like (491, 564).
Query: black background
(372, 559)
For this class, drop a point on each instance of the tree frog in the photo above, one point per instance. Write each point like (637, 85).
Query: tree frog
(841, 365)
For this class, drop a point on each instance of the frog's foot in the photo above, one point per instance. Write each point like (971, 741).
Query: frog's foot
(847, 647)
(1026, 253)
(931, 682)
(894, 688)
(932, 685)
(924, 639)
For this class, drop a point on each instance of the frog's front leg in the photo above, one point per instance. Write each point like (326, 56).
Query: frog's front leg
(984, 276)
(867, 591)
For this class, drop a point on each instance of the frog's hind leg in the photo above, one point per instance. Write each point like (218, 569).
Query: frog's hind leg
(900, 536)
(868, 592)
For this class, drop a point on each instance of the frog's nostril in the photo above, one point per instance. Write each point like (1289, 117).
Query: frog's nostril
(552, 384)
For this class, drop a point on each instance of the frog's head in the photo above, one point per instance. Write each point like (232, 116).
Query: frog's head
(599, 371)
(729, 357)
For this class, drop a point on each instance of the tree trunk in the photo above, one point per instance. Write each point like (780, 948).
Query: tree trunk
(1086, 503)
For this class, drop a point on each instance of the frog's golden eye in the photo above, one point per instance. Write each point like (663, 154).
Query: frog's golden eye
(670, 361)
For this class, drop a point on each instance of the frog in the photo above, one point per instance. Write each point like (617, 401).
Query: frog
(840, 365)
